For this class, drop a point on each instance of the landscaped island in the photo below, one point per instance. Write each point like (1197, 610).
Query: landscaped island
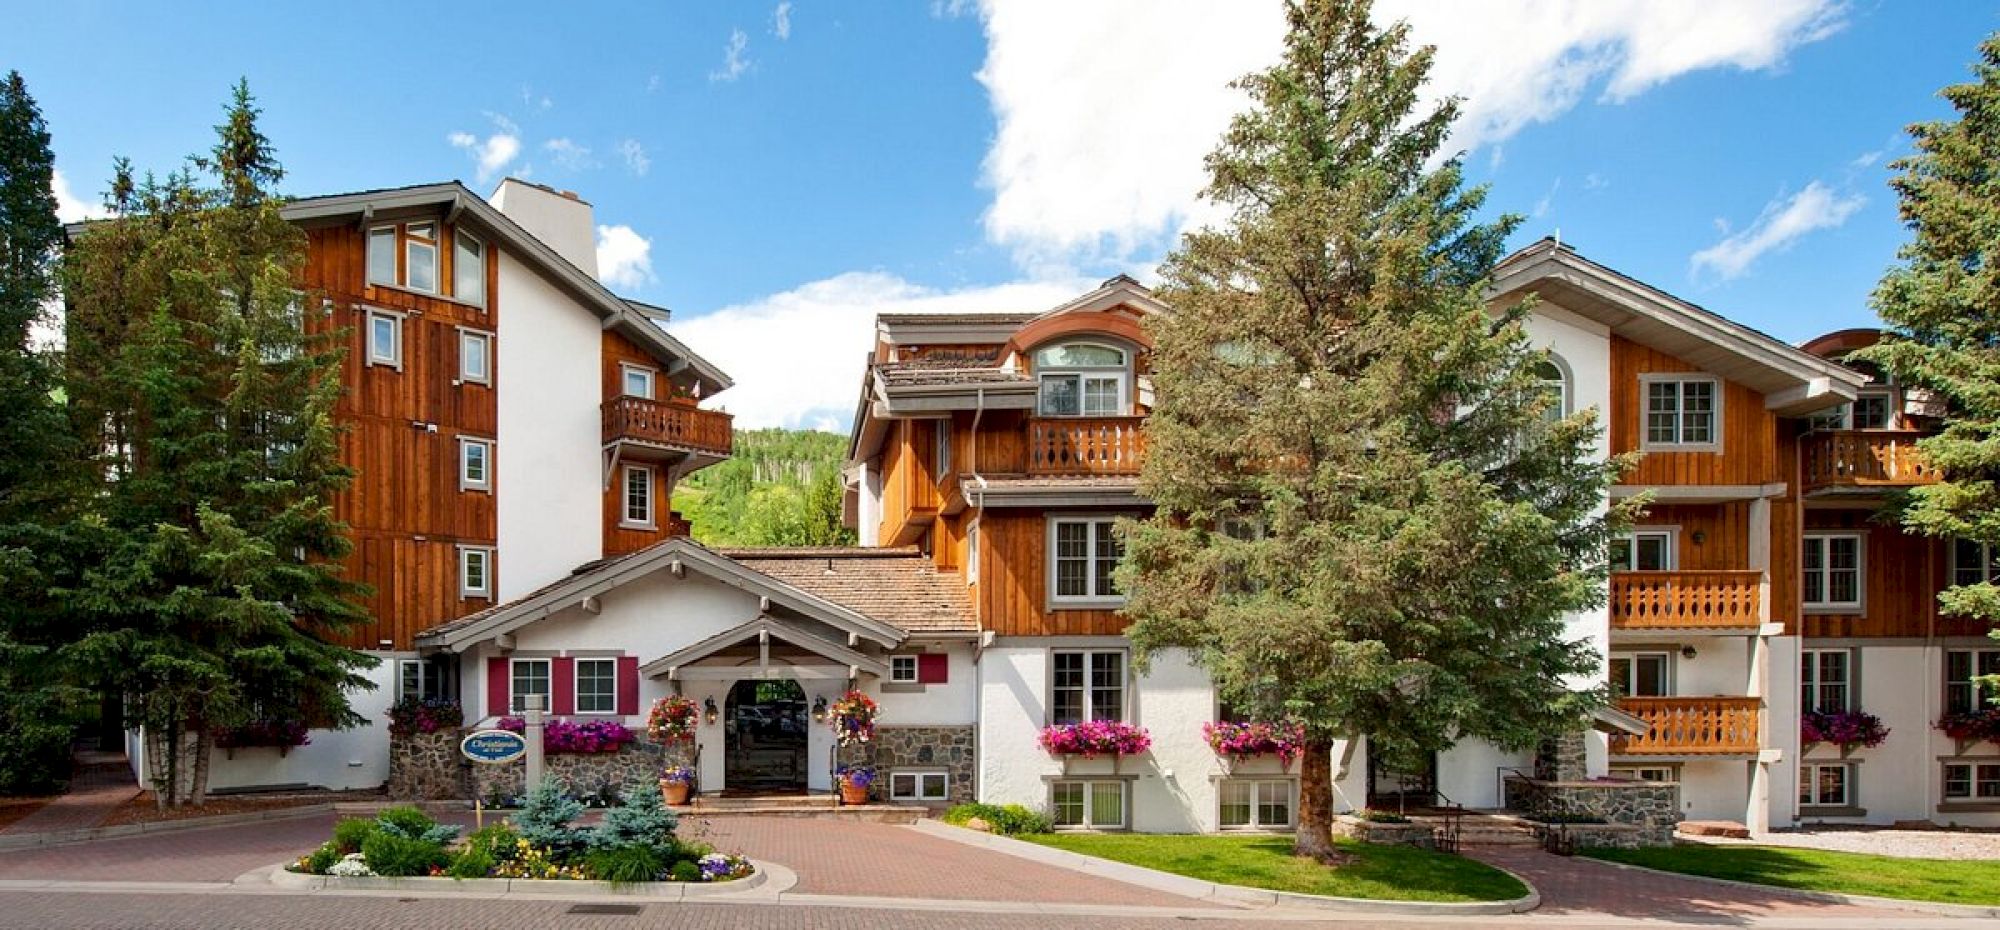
(1944, 881)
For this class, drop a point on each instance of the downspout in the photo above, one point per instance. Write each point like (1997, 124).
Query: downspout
(985, 636)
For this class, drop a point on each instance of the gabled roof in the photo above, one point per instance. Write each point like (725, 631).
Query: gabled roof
(457, 202)
(899, 586)
(763, 628)
(678, 555)
(1793, 382)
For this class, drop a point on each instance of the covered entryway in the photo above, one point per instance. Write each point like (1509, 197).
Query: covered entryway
(765, 737)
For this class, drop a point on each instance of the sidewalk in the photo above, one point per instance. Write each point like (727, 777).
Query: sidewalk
(103, 782)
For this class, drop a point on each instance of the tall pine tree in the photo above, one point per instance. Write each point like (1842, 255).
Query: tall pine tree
(216, 592)
(1942, 305)
(1368, 522)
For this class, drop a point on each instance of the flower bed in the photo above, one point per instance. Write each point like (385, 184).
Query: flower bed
(1095, 738)
(1846, 729)
(1969, 726)
(1239, 740)
(284, 734)
(570, 736)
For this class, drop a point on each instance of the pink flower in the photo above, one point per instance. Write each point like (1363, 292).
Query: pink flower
(1096, 738)
(1284, 740)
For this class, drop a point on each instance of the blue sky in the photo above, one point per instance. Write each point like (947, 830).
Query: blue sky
(792, 168)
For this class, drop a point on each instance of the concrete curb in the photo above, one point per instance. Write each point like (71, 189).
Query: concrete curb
(1236, 895)
(1824, 897)
(17, 841)
(766, 883)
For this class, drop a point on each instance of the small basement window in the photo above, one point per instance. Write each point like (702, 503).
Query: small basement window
(919, 786)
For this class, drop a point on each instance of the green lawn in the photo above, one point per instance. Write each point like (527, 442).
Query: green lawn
(1384, 873)
(1945, 881)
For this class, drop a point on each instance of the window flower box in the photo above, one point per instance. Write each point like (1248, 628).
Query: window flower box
(1094, 738)
(1973, 725)
(591, 736)
(1847, 729)
(412, 716)
(281, 734)
(1241, 740)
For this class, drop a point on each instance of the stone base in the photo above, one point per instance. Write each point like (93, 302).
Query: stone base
(941, 748)
(1420, 835)
(1650, 809)
(429, 767)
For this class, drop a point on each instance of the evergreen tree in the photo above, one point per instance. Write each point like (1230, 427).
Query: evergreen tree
(216, 592)
(780, 488)
(1368, 520)
(1942, 305)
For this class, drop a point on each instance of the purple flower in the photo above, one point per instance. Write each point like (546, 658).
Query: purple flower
(1844, 728)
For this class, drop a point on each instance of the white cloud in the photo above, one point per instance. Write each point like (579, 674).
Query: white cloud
(1865, 159)
(569, 154)
(812, 376)
(1099, 155)
(1548, 199)
(69, 207)
(624, 258)
(653, 84)
(1781, 223)
(781, 21)
(734, 61)
(494, 153)
(635, 157)
(1595, 182)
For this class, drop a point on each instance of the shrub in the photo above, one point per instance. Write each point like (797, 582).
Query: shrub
(640, 819)
(472, 863)
(544, 821)
(413, 824)
(34, 755)
(322, 859)
(1374, 816)
(391, 855)
(1011, 820)
(348, 835)
(498, 842)
(626, 864)
(685, 871)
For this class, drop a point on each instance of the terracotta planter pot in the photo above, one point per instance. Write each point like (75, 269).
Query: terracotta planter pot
(852, 794)
(674, 792)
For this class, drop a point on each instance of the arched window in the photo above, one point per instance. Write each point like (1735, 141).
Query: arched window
(1082, 379)
(1555, 385)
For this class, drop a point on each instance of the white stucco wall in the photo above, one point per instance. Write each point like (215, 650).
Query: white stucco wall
(335, 759)
(1469, 773)
(547, 459)
(1715, 789)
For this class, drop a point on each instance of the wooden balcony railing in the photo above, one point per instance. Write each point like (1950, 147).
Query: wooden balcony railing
(1864, 459)
(676, 423)
(1685, 600)
(1691, 726)
(1086, 445)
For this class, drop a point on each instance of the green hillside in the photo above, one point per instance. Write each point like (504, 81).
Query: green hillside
(781, 488)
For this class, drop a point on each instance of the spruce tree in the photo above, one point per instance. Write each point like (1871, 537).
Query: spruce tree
(199, 371)
(1942, 306)
(1367, 520)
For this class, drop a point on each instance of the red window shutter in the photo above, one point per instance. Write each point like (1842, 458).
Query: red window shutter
(628, 685)
(562, 686)
(932, 668)
(499, 685)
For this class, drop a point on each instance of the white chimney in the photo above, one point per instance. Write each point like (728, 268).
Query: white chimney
(560, 219)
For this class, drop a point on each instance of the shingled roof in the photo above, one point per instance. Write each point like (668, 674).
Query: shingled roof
(897, 586)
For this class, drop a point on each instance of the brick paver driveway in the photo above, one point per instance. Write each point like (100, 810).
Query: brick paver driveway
(1579, 886)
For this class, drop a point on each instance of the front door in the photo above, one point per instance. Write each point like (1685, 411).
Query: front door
(765, 737)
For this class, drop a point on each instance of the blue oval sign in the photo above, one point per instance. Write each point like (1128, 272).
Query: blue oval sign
(493, 746)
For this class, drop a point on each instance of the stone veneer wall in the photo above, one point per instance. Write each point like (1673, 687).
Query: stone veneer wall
(429, 767)
(1654, 808)
(949, 748)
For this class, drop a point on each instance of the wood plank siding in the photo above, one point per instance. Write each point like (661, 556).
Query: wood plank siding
(1749, 453)
(712, 433)
(1012, 595)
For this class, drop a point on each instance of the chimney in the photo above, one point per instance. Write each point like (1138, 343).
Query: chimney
(561, 219)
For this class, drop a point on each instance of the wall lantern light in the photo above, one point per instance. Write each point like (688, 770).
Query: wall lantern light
(1687, 652)
(708, 710)
(819, 709)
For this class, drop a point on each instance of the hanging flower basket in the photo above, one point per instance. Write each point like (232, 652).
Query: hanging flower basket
(673, 720)
(1848, 729)
(853, 718)
(1241, 740)
(282, 734)
(1095, 738)
(1973, 725)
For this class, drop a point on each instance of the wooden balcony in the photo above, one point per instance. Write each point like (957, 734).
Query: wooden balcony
(676, 424)
(1073, 446)
(1858, 460)
(1711, 600)
(1691, 726)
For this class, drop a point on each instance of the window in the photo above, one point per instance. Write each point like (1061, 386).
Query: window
(1643, 550)
(1643, 773)
(1681, 411)
(468, 267)
(1824, 680)
(530, 676)
(1826, 785)
(972, 552)
(1642, 674)
(1082, 555)
(1081, 379)
(475, 465)
(475, 357)
(385, 339)
(1256, 805)
(1555, 387)
(903, 670)
(1870, 411)
(596, 686)
(1967, 781)
(1963, 669)
(638, 496)
(1096, 805)
(420, 256)
(1833, 571)
(638, 381)
(382, 255)
(1972, 563)
(919, 786)
(941, 449)
(475, 572)
(417, 679)
(1086, 685)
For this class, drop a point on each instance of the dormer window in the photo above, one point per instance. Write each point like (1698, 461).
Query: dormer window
(410, 256)
(1083, 380)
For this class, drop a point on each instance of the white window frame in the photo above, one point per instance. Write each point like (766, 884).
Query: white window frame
(1973, 779)
(627, 370)
(1089, 803)
(459, 237)
(1120, 374)
(393, 357)
(1809, 781)
(466, 481)
(514, 695)
(1092, 597)
(919, 782)
(466, 556)
(1632, 658)
(1670, 535)
(972, 552)
(1563, 384)
(411, 243)
(1088, 708)
(941, 449)
(1258, 787)
(576, 685)
(1825, 571)
(903, 670)
(1811, 681)
(625, 519)
(368, 252)
(484, 340)
(1679, 443)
